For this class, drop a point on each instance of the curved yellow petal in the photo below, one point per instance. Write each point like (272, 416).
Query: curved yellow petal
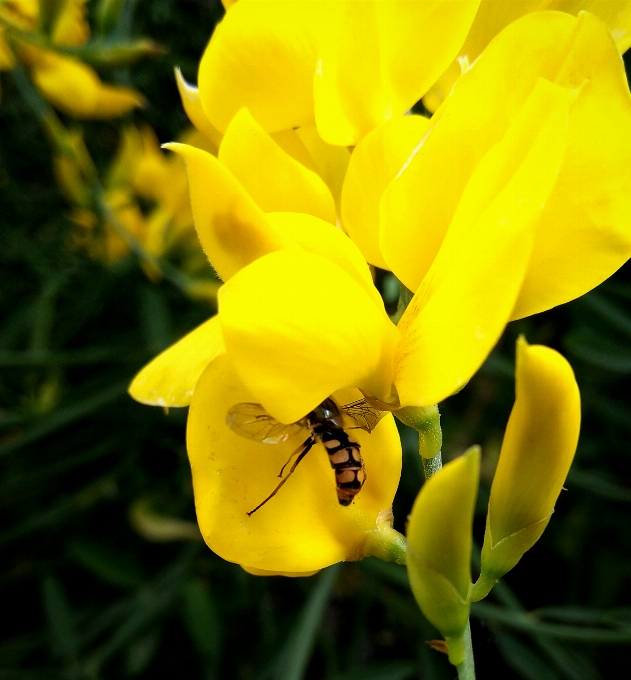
(539, 443)
(495, 15)
(378, 58)
(592, 197)
(321, 238)
(170, 378)
(439, 547)
(231, 227)
(262, 56)
(590, 205)
(303, 528)
(276, 181)
(466, 299)
(298, 328)
(375, 162)
(75, 88)
(193, 108)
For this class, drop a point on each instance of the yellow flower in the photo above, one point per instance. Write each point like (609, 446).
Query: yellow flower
(140, 170)
(70, 85)
(304, 320)
(493, 16)
(536, 455)
(458, 164)
(439, 548)
(345, 66)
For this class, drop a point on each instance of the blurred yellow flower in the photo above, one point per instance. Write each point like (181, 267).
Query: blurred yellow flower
(145, 189)
(69, 84)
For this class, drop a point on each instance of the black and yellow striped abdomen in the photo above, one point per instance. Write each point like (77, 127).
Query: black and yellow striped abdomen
(345, 458)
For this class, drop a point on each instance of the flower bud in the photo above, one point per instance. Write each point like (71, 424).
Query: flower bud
(536, 455)
(439, 548)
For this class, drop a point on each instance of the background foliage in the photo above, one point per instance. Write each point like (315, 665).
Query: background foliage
(91, 480)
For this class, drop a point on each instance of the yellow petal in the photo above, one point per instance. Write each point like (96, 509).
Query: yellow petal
(266, 572)
(262, 56)
(464, 302)
(374, 163)
(378, 58)
(303, 528)
(276, 181)
(439, 547)
(231, 227)
(193, 107)
(74, 88)
(321, 238)
(539, 443)
(495, 15)
(169, 380)
(298, 328)
(591, 201)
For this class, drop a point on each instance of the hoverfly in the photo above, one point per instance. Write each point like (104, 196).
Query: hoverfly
(324, 424)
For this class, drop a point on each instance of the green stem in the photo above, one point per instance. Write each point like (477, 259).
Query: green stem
(466, 669)
(432, 465)
(426, 421)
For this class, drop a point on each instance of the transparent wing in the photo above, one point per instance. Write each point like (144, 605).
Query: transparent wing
(253, 422)
(364, 415)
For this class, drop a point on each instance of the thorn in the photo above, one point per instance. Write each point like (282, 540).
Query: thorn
(438, 645)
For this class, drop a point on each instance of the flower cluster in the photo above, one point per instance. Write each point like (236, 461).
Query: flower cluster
(47, 38)
(511, 199)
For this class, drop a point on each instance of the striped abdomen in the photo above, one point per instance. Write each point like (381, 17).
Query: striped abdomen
(346, 460)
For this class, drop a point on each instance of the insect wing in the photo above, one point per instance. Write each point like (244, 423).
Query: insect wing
(253, 422)
(363, 414)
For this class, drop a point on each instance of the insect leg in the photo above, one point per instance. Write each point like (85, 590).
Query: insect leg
(308, 445)
(280, 474)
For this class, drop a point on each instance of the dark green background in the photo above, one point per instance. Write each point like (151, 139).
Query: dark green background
(84, 596)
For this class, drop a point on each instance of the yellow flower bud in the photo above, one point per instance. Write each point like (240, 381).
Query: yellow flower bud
(536, 455)
(439, 548)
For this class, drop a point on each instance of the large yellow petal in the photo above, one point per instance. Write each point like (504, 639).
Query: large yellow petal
(495, 15)
(464, 302)
(276, 181)
(298, 328)
(170, 378)
(591, 202)
(193, 107)
(374, 163)
(303, 528)
(231, 227)
(262, 56)
(591, 199)
(378, 58)
(75, 88)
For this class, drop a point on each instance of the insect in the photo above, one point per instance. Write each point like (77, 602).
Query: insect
(324, 424)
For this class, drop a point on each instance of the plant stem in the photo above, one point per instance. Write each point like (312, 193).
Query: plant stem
(432, 465)
(466, 669)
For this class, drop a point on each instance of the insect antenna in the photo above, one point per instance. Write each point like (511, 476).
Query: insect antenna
(308, 445)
